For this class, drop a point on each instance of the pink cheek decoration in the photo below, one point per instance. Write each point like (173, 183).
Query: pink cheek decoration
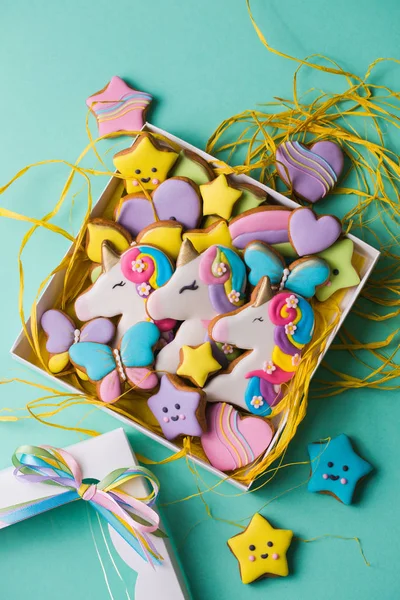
(325, 476)
(166, 420)
(328, 283)
(155, 181)
(135, 182)
(182, 417)
(252, 558)
(275, 556)
(343, 481)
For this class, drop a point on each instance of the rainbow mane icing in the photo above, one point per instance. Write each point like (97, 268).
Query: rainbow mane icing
(145, 264)
(225, 274)
(294, 320)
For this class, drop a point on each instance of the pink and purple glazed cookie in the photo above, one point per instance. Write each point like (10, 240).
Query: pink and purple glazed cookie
(178, 408)
(232, 442)
(311, 172)
(267, 224)
(118, 107)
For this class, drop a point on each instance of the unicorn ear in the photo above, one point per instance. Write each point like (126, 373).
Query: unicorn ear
(187, 253)
(263, 292)
(109, 257)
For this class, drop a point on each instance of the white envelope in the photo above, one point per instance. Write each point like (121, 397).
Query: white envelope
(97, 457)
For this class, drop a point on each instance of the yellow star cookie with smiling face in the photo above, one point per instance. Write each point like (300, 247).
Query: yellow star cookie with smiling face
(261, 550)
(219, 197)
(197, 363)
(145, 164)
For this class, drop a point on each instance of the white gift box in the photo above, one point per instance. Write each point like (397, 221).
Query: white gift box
(21, 350)
(98, 457)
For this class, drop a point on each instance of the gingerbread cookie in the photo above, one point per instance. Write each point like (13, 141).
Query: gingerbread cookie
(267, 224)
(311, 172)
(336, 469)
(62, 333)
(194, 167)
(179, 409)
(232, 442)
(197, 363)
(219, 197)
(145, 164)
(110, 368)
(101, 230)
(310, 234)
(261, 550)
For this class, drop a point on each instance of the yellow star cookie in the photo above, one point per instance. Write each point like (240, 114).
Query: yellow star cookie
(144, 164)
(217, 233)
(261, 550)
(219, 197)
(197, 363)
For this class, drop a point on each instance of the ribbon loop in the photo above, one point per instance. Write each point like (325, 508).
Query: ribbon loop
(86, 491)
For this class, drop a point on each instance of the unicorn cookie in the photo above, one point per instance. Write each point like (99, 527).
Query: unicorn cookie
(273, 329)
(123, 288)
(202, 287)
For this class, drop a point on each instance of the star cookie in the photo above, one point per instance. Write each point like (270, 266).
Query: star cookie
(197, 363)
(144, 164)
(215, 234)
(336, 468)
(179, 409)
(261, 550)
(343, 274)
(219, 197)
(118, 107)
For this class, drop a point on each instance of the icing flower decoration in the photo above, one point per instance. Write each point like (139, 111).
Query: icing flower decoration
(257, 401)
(295, 359)
(234, 297)
(144, 289)
(138, 265)
(220, 269)
(292, 301)
(269, 367)
(290, 328)
(227, 349)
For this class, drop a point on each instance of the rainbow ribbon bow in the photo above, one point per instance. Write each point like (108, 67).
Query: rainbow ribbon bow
(133, 518)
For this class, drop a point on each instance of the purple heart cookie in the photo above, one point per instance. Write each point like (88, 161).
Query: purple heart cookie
(176, 199)
(313, 172)
(310, 234)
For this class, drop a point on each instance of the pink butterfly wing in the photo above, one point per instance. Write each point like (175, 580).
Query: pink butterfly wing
(141, 377)
(110, 387)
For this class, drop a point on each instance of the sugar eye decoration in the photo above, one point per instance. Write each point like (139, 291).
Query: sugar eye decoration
(252, 547)
(330, 464)
(258, 319)
(154, 170)
(270, 544)
(335, 272)
(165, 409)
(177, 406)
(138, 171)
(345, 468)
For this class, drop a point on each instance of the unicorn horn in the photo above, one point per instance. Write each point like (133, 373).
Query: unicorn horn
(263, 292)
(109, 257)
(187, 253)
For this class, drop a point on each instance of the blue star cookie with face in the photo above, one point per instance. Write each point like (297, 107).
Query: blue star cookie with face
(336, 468)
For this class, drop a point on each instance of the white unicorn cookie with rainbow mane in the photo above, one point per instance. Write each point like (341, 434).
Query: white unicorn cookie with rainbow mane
(123, 288)
(273, 329)
(202, 287)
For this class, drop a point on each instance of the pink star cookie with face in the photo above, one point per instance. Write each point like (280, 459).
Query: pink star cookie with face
(118, 107)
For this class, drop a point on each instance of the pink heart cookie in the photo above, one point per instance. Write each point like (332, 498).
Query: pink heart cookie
(313, 172)
(232, 442)
(310, 234)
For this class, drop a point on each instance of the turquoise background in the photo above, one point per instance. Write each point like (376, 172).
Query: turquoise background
(203, 62)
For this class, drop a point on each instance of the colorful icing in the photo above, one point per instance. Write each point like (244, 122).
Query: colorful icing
(179, 409)
(303, 276)
(261, 550)
(343, 274)
(232, 442)
(109, 368)
(192, 166)
(175, 199)
(197, 363)
(116, 291)
(165, 235)
(310, 234)
(312, 173)
(100, 230)
(252, 196)
(217, 233)
(118, 107)
(267, 224)
(145, 164)
(62, 333)
(219, 197)
(274, 332)
(336, 469)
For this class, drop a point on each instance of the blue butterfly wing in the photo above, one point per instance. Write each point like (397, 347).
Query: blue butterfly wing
(262, 260)
(137, 344)
(97, 359)
(307, 275)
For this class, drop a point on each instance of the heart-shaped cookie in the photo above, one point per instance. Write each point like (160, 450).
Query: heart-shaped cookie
(176, 199)
(312, 172)
(232, 442)
(310, 234)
